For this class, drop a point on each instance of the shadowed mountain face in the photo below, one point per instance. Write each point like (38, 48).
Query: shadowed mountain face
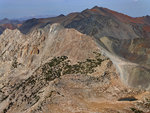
(97, 22)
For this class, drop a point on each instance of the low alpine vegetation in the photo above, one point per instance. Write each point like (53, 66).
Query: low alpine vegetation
(61, 65)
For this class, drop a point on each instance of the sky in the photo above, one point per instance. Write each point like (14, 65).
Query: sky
(14, 9)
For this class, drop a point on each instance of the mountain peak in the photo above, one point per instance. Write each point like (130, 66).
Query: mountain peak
(99, 8)
(55, 27)
(61, 15)
(95, 7)
(5, 19)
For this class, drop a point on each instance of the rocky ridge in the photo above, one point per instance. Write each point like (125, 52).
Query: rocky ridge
(58, 70)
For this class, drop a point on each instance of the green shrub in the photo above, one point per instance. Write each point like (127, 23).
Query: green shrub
(136, 111)
(61, 65)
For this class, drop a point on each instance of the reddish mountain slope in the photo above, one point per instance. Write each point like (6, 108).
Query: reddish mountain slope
(98, 22)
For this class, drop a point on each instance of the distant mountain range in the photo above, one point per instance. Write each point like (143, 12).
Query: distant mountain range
(10, 24)
(7, 21)
(94, 20)
(16, 23)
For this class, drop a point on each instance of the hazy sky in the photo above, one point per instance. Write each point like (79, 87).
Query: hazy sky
(25, 8)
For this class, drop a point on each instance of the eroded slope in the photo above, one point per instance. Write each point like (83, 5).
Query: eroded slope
(57, 70)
